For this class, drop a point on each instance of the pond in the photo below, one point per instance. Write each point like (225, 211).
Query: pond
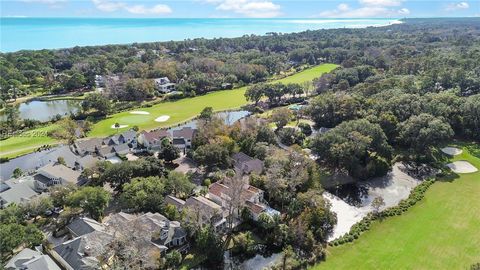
(45, 110)
(352, 202)
(264, 260)
(229, 116)
(33, 161)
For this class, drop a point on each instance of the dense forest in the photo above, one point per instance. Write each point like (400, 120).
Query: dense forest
(439, 52)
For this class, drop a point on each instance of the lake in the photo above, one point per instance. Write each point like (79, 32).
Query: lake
(54, 33)
(31, 162)
(45, 110)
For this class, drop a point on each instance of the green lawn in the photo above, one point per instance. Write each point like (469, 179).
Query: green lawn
(308, 74)
(27, 143)
(185, 109)
(179, 111)
(440, 232)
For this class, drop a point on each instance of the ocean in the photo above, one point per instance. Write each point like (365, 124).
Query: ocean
(54, 33)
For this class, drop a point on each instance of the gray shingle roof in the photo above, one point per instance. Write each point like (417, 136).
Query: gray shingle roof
(17, 190)
(87, 161)
(82, 252)
(29, 259)
(247, 164)
(121, 148)
(127, 136)
(88, 146)
(83, 225)
(61, 172)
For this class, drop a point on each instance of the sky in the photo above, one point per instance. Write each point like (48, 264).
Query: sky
(240, 8)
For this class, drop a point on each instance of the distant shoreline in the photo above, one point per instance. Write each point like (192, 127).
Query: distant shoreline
(55, 33)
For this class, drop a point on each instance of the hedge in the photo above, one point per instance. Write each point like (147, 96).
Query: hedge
(363, 225)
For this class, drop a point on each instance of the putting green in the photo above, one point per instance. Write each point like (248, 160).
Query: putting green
(179, 111)
(187, 108)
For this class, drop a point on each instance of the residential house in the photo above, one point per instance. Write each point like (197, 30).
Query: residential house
(152, 140)
(84, 225)
(85, 162)
(205, 212)
(83, 252)
(249, 197)
(182, 138)
(153, 234)
(56, 174)
(226, 86)
(87, 147)
(162, 231)
(99, 82)
(163, 85)
(121, 149)
(29, 259)
(106, 151)
(17, 191)
(178, 203)
(245, 164)
(127, 137)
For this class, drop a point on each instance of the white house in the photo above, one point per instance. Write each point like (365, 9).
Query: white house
(164, 85)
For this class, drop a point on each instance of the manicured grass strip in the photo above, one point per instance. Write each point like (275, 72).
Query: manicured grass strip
(179, 111)
(308, 74)
(439, 232)
(26, 143)
(185, 109)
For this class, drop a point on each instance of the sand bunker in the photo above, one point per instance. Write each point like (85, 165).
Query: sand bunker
(139, 112)
(452, 151)
(162, 118)
(120, 126)
(462, 167)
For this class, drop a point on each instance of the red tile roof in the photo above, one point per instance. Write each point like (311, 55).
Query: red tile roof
(218, 189)
(255, 208)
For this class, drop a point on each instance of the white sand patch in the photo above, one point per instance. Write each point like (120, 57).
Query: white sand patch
(462, 167)
(162, 118)
(139, 112)
(393, 187)
(452, 151)
(120, 126)
(347, 215)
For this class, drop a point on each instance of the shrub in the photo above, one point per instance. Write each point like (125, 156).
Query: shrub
(363, 225)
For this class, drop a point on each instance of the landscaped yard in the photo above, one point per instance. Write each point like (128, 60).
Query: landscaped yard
(177, 111)
(442, 231)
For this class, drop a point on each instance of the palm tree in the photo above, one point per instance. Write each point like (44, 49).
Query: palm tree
(117, 126)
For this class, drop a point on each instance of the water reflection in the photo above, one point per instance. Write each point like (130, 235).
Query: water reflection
(46, 110)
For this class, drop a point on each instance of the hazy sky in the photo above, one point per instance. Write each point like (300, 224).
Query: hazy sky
(240, 8)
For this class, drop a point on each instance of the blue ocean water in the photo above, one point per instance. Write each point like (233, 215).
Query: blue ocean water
(53, 33)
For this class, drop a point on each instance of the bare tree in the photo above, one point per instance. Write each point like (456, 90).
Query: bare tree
(233, 197)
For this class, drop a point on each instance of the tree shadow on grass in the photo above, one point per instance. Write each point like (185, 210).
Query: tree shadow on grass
(448, 176)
